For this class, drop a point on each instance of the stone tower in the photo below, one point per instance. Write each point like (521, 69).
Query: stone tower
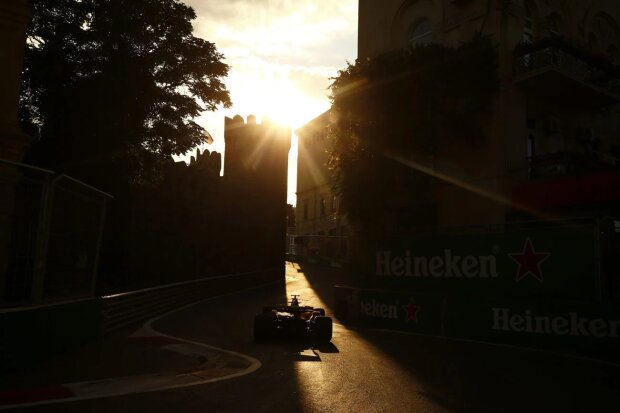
(255, 181)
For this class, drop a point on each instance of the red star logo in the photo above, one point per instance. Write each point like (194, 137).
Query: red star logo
(412, 310)
(529, 261)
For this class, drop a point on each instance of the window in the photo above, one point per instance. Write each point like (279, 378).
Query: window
(322, 207)
(614, 151)
(603, 36)
(528, 26)
(528, 33)
(531, 137)
(613, 53)
(334, 203)
(555, 24)
(305, 210)
(421, 33)
(593, 43)
(531, 145)
(553, 126)
(531, 150)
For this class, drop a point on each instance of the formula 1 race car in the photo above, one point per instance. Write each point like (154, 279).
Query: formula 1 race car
(293, 321)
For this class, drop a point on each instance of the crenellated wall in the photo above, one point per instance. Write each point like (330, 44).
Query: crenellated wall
(196, 223)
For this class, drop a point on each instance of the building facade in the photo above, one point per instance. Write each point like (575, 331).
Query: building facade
(317, 202)
(319, 222)
(553, 140)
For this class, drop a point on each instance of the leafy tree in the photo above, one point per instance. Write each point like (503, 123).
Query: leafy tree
(114, 86)
(406, 103)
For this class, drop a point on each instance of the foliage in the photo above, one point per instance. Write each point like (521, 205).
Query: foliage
(116, 84)
(409, 103)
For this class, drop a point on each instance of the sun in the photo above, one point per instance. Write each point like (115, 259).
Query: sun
(284, 104)
(273, 95)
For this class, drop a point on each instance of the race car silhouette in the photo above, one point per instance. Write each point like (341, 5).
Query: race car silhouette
(293, 321)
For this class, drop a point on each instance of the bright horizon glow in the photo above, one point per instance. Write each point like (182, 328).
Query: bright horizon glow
(282, 54)
(275, 97)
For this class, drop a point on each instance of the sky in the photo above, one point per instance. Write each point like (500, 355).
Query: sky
(281, 54)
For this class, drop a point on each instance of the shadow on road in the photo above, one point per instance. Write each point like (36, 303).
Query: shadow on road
(298, 349)
(469, 376)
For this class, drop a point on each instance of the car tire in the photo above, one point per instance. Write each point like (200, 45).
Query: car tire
(263, 327)
(323, 327)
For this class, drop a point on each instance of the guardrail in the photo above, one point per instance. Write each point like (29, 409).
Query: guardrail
(29, 335)
(572, 327)
(121, 310)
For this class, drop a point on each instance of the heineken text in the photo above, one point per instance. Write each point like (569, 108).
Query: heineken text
(447, 265)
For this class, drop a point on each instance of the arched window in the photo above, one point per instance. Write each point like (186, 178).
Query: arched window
(528, 25)
(555, 24)
(603, 28)
(604, 36)
(421, 33)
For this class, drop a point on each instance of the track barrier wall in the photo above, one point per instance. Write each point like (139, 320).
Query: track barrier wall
(32, 334)
(574, 327)
(553, 287)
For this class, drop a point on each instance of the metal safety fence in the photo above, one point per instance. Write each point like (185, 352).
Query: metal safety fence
(50, 234)
(329, 250)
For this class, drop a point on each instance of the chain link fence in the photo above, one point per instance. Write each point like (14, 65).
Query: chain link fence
(50, 235)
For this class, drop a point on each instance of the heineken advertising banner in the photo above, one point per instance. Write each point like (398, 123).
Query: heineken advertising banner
(420, 313)
(552, 262)
(588, 329)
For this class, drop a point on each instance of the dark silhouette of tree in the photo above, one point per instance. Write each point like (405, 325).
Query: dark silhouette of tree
(407, 103)
(113, 86)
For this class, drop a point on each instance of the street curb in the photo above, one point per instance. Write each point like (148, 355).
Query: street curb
(70, 392)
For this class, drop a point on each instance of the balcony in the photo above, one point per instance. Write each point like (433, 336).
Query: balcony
(554, 70)
(568, 179)
(567, 163)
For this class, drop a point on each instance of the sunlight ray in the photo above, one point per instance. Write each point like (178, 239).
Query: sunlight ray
(469, 186)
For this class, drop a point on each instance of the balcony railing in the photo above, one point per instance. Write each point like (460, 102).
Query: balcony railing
(568, 163)
(569, 63)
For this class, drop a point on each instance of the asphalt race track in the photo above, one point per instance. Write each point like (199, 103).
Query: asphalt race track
(361, 370)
